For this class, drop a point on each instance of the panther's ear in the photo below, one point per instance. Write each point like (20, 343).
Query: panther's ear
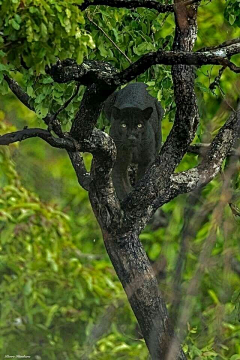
(147, 112)
(116, 113)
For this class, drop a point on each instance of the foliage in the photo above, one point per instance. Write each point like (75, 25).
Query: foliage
(232, 12)
(51, 294)
(44, 26)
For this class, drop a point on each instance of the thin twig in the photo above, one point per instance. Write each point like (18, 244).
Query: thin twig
(216, 82)
(52, 122)
(67, 102)
(108, 37)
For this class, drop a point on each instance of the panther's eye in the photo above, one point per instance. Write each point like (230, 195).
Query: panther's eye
(123, 125)
(139, 126)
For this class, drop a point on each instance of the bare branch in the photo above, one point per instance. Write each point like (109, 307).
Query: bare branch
(87, 73)
(216, 81)
(216, 57)
(132, 4)
(83, 176)
(150, 4)
(99, 144)
(223, 45)
(25, 99)
(18, 91)
(24, 134)
(101, 72)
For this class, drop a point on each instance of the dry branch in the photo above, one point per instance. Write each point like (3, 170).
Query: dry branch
(90, 72)
(132, 4)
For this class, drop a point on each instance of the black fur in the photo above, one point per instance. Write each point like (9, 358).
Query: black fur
(135, 118)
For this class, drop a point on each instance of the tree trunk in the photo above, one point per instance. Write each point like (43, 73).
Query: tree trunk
(140, 284)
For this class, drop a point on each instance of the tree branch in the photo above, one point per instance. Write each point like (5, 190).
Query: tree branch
(24, 134)
(101, 72)
(216, 81)
(216, 57)
(89, 110)
(150, 4)
(82, 130)
(220, 46)
(222, 144)
(201, 149)
(102, 194)
(87, 73)
(18, 91)
(25, 99)
(140, 204)
(190, 180)
(198, 149)
(99, 142)
(84, 177)
(132, 4)
(98, 77)
(104, 152)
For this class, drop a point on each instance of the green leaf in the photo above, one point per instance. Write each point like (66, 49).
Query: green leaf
(213, 296)
(28, 288)
(203, 88)
(3, 67)
(104, 53)
(41, 110)
(79, 56)
(44, 30)
(68, 13)
(236, 296)
(17, 18)
(232, 19)
(51, 314)
(14, 24)
(47, 80)
(235, 357)
(30, 91)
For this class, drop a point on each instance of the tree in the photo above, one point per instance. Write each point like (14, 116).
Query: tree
(28, 33)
